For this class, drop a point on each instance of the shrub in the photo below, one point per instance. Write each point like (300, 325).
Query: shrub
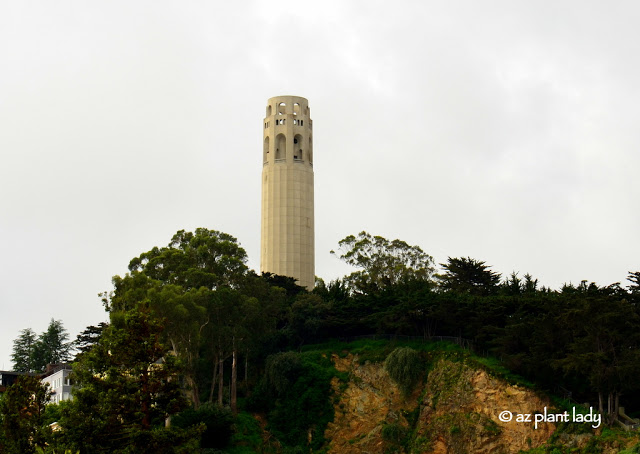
(405, 367)
(281, 372)
(394, 433)
(295, 392)
(218, 422)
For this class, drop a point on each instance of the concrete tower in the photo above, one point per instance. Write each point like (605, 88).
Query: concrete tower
(287, 241)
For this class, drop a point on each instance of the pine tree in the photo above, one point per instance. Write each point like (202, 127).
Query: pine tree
(52, 347)
(23, 351)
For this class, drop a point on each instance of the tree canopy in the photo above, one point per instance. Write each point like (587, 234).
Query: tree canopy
(124, 385)
(191, 326)
(383, 262)
(204, 258)
(23, 351)
(467, 275)
(22, 410)
(31, 354)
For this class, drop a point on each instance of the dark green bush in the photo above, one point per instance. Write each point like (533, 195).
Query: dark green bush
(218, 422)
(281, 372)
(295, 392)
(405, 367)
(394, 433)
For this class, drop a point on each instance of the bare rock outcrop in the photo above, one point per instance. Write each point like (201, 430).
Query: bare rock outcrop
(457, 410)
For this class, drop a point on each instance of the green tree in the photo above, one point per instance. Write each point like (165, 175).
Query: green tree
(126, 386)
(179, 282)
(284, 282)
(296, 391)
(218, 421)
(235, 322)
(634, 278)
(204, 258)
(383, 262)
(53, 346)
(21, 416)
(605, 346)
(23, 351)
(467, 275)
(185, 315)
(281, 372)
(306, 316)
(88, 338)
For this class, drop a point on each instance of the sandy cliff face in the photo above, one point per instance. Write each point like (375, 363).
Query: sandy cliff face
(456, 411)
(370, 400)
(461, 408)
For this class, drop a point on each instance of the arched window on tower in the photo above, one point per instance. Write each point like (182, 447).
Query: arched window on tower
(296, 108)
(298, 148)
(310, 151)
(269, 110)
(282, 107)
(281, 147)
(265, 151)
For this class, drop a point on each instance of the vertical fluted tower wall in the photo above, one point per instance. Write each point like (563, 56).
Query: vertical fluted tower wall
(287, 237)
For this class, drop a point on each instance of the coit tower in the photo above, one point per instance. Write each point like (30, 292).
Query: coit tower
(287, 236)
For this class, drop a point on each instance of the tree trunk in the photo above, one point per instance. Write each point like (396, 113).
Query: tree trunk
(234, 380)
(220, 379)
(195, 392)
(146, 401)
(246, 372)
(213, 379)
(610, 408)
(600, 404)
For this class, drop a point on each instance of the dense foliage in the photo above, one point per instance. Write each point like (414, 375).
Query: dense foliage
(405, 366)
(22, 409)
(295, 393)
(195, 338)
(32, 354)
(383, 263)
(217, 421)
(126, 387)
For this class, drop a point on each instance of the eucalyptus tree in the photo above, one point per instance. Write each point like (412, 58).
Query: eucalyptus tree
(204, 258)
(179, 282)
(382, 262)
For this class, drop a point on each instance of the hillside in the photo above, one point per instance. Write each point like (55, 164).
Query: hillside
(455, 411)
(454, 408)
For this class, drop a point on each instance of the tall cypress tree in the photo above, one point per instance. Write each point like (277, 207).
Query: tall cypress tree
(23, 351)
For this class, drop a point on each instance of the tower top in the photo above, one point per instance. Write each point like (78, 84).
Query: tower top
(287, 105)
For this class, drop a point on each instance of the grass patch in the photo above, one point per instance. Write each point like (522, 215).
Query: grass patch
(495, 367)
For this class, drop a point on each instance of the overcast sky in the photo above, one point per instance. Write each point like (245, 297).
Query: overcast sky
(506, 131)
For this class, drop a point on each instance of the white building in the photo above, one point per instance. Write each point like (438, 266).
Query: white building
(57, 376)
